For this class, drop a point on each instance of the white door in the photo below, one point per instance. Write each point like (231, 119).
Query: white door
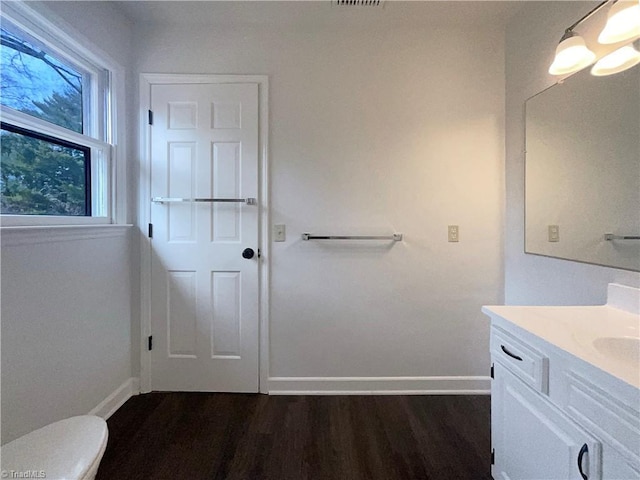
(204, 293)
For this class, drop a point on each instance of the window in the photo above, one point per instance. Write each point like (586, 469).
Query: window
(43, 175)
(54, 135)
(39, 84)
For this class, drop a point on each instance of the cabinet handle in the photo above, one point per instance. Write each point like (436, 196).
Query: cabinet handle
(512, 355)
(583, 450)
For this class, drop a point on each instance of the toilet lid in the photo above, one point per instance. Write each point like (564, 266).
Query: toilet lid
(62, 450)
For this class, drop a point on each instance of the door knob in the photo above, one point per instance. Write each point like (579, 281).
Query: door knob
(248, 253)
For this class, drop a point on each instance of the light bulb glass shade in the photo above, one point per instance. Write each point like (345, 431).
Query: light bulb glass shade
(623, 22)
(617, 61)
(571, 55)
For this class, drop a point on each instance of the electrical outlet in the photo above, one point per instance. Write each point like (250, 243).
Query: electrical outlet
(454, 233)
(554, 233)
(279, 233)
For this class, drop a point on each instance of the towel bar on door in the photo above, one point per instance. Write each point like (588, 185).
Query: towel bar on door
(248, 201)
(396, 237)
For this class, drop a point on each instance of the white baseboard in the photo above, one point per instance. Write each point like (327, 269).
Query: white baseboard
(116, 399)
(379, 385)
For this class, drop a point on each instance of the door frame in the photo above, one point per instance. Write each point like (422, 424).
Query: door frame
(147, 80)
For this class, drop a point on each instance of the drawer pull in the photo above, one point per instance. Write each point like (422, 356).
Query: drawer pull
(583, 450)
(512, 355)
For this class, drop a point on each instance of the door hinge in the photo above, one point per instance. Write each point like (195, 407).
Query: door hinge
(493, 456)
(492, 374)
(150, 230)
(150, 343)
(150, 117)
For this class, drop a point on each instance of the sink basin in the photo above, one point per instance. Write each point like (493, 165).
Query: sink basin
(623, 349)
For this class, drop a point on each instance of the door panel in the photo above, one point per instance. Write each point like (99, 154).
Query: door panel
(533, 439)
(204, 294)
(181, 314)
(225, 322)
(226, 184)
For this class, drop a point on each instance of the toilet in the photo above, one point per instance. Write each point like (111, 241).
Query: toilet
(70, 449)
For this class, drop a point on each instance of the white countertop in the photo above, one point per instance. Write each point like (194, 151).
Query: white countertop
(574, 329)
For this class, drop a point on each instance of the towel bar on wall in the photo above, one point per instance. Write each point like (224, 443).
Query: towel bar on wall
(611, 236)
(396, 237)
(248, 201)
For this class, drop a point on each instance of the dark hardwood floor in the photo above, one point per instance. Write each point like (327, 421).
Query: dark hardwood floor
(234, 436)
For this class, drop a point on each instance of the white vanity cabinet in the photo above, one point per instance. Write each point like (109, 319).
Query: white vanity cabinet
(555, 414)
(532, 439)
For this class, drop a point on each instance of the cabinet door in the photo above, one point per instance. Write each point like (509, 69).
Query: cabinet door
(532, 439)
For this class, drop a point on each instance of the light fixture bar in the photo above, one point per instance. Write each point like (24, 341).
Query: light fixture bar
(587, 15)
(572, 53)
(623, 23)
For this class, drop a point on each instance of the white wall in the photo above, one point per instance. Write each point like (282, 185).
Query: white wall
(532, 36)
(66, 305)
(372, 130)
(65, 329)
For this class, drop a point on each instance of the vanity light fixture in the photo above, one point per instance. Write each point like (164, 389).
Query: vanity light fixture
(617, 61)
(623, 23)
(572, 55)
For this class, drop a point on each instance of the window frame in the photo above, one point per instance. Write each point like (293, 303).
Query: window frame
(100, 135)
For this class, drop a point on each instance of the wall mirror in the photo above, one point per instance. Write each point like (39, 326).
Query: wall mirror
(582, 178)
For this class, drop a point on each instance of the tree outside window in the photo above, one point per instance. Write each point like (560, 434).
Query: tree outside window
(39, 174)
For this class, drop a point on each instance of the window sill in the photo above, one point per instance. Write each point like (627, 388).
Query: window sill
(50, 220)
(15, 236)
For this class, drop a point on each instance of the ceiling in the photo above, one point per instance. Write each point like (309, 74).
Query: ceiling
(321, 13)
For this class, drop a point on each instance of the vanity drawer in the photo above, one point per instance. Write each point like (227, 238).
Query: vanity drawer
(524, 361)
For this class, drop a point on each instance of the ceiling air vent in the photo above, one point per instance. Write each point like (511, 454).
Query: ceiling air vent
(358, 3)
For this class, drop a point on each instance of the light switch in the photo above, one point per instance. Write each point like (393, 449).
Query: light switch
(279, 233)
(554, 233)
(453, 233)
